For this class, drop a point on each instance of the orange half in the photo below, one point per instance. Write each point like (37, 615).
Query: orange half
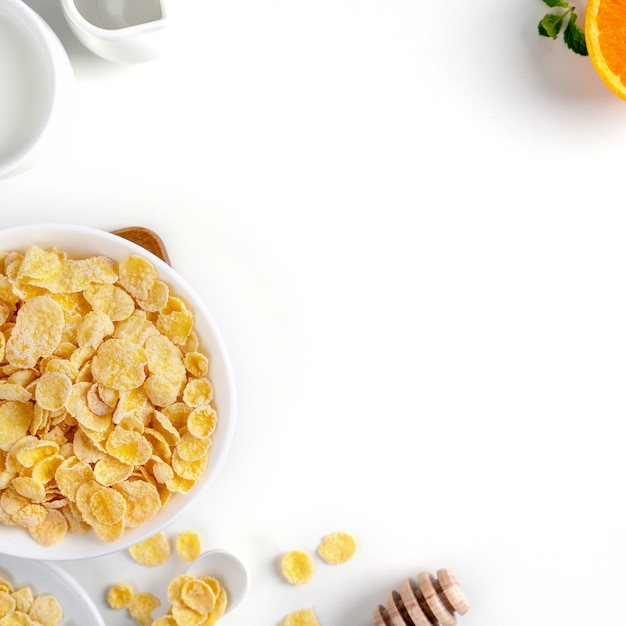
(605, 34)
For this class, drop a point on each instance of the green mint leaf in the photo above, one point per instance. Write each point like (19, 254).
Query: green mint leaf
(550, 25)
(574, 36)
(557, 3)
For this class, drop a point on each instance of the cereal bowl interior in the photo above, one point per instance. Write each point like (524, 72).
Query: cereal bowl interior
(112, 423)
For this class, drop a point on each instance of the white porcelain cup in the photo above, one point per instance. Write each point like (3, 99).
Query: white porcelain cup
(123, 31)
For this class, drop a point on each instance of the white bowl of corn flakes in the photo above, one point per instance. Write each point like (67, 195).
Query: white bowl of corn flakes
(117, 398)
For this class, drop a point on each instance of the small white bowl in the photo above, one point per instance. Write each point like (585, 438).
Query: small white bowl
(47, 578)
(36, 80)
(122, 31)
(80, 241)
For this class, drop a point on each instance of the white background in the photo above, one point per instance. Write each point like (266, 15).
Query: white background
(407, 220)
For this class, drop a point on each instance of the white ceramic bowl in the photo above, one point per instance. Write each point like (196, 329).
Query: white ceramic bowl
(36, 81)
(122, 31)
(79, 241)
(47, 578)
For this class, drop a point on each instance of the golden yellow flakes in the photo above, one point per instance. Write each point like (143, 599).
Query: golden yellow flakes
(141, 607)
(337, 547)
(152, 551)
(188, 545)
(120, 595)
(302, 617)
(53, 390)
(137, 276)
(46, 610)
(15, 418)
(198, 392)
(128, 446)
(119, 364)
(202, 422)
(196, 600)
(193, 601)
(37, 332)
(22, 607)
(297, 567)
(106, 408)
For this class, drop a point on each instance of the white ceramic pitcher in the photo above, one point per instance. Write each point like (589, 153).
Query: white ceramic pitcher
(123, 31)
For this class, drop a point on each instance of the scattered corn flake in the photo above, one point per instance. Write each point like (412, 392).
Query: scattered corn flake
(120, 595)
(141, 607)
(297, 567)
(302, 617)
(188, 545)
(337, 547)
(152, 551)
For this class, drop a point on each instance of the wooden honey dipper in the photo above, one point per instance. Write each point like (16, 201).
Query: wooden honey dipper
(427, 601)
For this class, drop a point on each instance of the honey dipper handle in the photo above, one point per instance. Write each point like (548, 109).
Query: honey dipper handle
(145, 238)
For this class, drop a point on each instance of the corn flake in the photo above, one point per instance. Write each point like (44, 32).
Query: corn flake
(51, 530)
(120, 595)
(337, 547)
(152, 551)
(188, 545)
(36, 333)
(46, 610)
(297, 567)
(303, 617)
(53, 390)
(141, 607)
(142, 499)
(202, 421)
(119, 364)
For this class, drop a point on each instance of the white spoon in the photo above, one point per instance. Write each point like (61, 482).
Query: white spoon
(228, 569)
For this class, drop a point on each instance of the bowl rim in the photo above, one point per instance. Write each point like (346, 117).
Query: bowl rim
(59, 76)
(58, 582)
(226, 404)
(80, 22)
